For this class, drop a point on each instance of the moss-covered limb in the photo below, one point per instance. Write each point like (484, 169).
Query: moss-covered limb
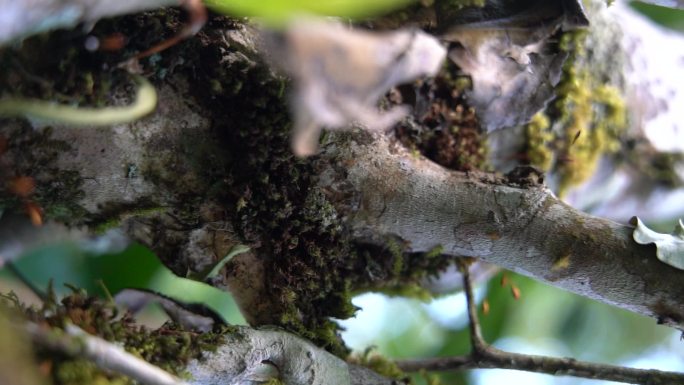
(213, 168)
(224, 355)
(523, 229)
(76, 343)
(170, 347)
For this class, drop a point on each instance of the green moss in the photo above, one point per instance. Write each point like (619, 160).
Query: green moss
(412, 290)
(588, 115)
(538, 139)
(274, 381)
(81, 371)
(169, 347)
(111, 217)
(58, 191)
(272, 196)
(434, 252)
(378, 363)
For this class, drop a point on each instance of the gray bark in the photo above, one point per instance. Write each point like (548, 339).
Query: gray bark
(516, 224)
(253, 356)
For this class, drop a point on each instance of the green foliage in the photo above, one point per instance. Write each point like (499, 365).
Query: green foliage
(170, 347)
(666, 16)
(278, 11)
(110, 272)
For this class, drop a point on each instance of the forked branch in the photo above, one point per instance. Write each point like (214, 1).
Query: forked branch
(485, 356)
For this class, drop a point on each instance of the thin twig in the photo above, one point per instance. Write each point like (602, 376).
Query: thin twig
(75, 342)
(484, 356)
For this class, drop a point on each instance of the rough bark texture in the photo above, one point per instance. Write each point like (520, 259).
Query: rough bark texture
(514, 222)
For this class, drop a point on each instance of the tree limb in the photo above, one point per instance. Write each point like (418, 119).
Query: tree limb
(75, 342)
(484, 356)
(509, 222)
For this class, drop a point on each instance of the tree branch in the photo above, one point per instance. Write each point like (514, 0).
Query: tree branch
(511, 222)
(75, 342)
(247, 354)
(484, 356)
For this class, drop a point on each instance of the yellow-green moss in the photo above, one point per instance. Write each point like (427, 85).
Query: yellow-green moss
(589, 117)
(378, 363)
(539, 140)
(434, 252)
(410, 290)
(274, 381)
(114, 219)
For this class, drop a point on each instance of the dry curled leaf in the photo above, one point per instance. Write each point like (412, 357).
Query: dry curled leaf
(669, 247)
(508, 50)
(341, 73)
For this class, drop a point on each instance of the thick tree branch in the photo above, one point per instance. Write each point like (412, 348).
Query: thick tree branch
(248, 355)
(386, 190)
(484, 356)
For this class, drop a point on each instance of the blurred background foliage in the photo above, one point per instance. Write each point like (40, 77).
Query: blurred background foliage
(669, 17)
(544, 320)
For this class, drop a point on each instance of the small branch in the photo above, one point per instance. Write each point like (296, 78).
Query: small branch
(477, 341)
(484, 356)
(77, 343)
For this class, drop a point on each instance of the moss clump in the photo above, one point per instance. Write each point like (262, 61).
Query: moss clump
(170, 347)
(384, 274)
(271, 195)
(111, 217)
(538, 140)
(378, 363)
(425, 14)
(448, 131)
(589, 118)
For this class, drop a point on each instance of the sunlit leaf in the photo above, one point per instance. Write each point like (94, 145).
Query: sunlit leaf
(134, 267)
(277, 11)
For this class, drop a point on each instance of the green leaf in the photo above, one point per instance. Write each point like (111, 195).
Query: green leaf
(278, 11)
(134, 267)
(669, 247)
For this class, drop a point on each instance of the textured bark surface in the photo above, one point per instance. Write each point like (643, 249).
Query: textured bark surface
(513, 222)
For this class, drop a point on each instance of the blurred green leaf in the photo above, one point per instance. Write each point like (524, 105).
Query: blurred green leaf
(279, 11)
(666, 16)
(134, 267)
